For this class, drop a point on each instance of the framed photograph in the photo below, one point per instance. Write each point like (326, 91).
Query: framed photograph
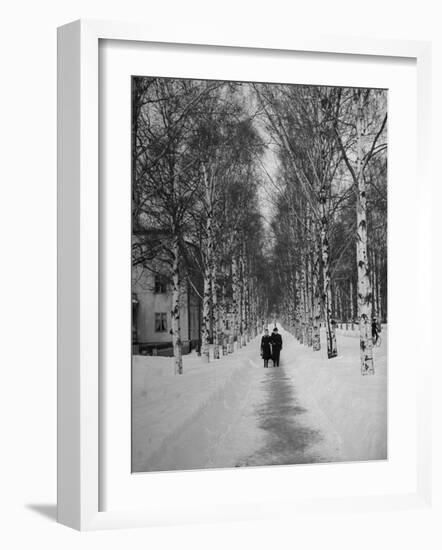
(234, 308)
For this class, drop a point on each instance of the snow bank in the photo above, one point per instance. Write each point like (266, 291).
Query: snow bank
(355, 332)
(179, 421)
(343, 402)
(211, 416)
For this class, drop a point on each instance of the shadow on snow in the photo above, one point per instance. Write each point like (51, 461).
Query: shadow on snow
(287, 440)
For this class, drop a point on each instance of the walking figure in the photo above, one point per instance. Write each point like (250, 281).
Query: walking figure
(276, 341)
(375, 330)
(266, 349)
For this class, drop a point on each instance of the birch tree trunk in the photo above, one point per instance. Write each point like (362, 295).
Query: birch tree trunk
(215, 313)
(340, 310)
(175, 313)
(352, 311)
(224, 318)
(208, 257)
(379, 290)
(292, 304)
(253, 308)
(205, 324)
(308, 287)
(303, 299)
(332, 350)
(248, 313)
(335, 302)
(364, 290)
(243, 302)
(298, 308)
(317, 299)
(308, 293)
(234, 331)
(375, 305)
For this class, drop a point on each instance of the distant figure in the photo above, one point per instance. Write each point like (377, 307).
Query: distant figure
(276, 341)
(375, 329)
(266, 349)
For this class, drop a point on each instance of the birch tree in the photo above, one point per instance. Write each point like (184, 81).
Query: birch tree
(359, 141)
(199, 175)
(164, 186)
(225, 143)
(303, 132)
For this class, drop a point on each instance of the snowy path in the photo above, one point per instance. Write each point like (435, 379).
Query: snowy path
(289, 432)
(287, 440)
(234, 413)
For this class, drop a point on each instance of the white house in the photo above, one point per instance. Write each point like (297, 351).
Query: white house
(151, 315)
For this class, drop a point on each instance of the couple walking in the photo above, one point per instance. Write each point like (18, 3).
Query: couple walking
(271, 347)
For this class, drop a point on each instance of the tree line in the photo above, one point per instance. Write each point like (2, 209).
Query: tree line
(200, 177)
(196, 213)
(330, 202)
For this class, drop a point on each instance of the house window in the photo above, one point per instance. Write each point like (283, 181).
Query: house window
(160, 284)
(160, 322)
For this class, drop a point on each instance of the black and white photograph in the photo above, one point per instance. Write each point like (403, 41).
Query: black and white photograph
(259, 274)
(221, 303)
(220, 279)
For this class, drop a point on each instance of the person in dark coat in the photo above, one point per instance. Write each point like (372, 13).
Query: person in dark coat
(375, 330)
(266, 349)
(276, 342)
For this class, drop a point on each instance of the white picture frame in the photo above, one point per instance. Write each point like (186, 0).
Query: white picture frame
(79, 272)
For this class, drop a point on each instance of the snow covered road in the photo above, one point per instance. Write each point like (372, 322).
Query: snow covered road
(233, 412)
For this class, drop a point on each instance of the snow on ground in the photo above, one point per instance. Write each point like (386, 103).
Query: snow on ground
(180, 422)
(342, 401)
(233, 412)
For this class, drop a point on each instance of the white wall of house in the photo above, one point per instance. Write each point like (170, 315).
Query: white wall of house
(151, 303)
